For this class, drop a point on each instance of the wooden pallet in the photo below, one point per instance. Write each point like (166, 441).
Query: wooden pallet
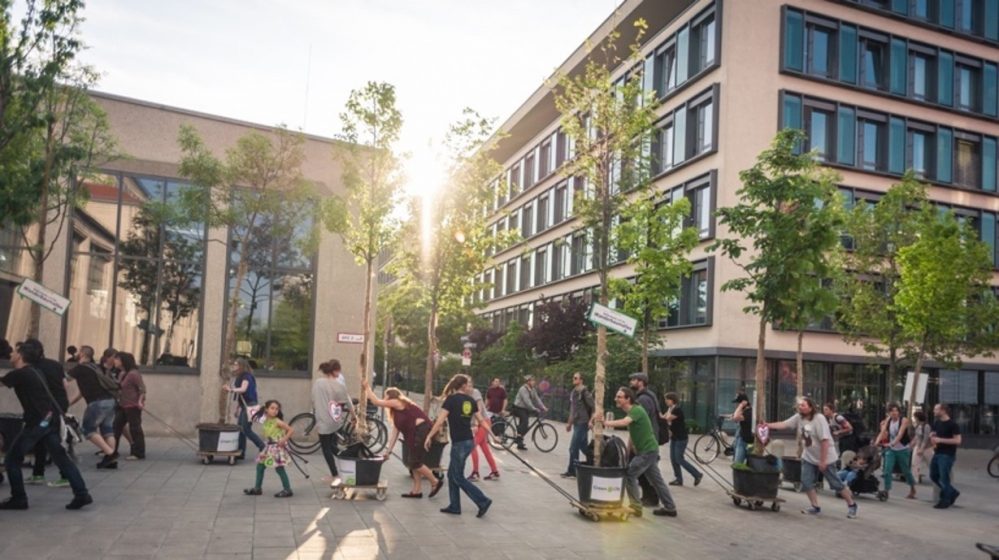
(209, 457)
(340, 490)
(755, 503)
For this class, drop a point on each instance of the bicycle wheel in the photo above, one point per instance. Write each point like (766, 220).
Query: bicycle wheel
(509, 435)
(498, 429)
(545, 437)
(305, 438)
(706, 449)
(377, 436)
(994, 466)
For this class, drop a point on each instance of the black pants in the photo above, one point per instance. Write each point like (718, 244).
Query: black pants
(523, 416)
(330, 450)
(132, 417)
(41, 454)
(28, 439)
(649, 496)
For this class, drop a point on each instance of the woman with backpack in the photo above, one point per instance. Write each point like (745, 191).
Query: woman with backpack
(894, 438)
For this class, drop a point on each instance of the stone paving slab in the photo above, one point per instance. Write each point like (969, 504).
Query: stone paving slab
(171, 506)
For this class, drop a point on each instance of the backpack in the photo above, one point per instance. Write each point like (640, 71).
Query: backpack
(106, 381)
(582, 399)
(856, 421)
(662, 426)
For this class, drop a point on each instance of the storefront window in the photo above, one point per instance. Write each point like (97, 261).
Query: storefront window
(959, 389)
(734, 374)
(990, 408)
(816, 377)
(857, 387)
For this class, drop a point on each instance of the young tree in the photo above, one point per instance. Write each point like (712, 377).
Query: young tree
(440, 272)
(657, 243)
(876, 232)
(34, 56)
(608, 121)
(259, 181)
(60, 156)
(945, 304)
(786, 216)
(372, 178)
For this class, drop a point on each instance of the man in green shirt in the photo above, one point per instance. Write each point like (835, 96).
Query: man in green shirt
(645, 453)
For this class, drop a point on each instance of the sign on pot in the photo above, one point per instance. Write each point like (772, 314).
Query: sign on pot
(228, 441)
(347, 469)
(606, 489)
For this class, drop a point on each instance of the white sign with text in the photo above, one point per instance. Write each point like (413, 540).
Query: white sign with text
(613, 320)
(43, 296)
(350, 338)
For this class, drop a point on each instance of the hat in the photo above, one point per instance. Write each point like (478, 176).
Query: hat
(740, 397)
(528, 377)
(640, 376)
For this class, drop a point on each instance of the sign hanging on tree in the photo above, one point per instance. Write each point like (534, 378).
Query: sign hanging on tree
(613, 320)
(43, 296)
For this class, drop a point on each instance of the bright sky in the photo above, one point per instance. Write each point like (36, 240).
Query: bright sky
(250, 59)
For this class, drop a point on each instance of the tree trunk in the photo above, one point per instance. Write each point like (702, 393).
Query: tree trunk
(428, 379)
(229, 349)
(362, 425)
(800, 388)
(38, 258)
(599, 385)
(761, 383)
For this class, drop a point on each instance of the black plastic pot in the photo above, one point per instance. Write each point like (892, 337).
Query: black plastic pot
(600, 485)
(791, 469)
(751, 484)
(359, 472)
(215, 438)
(762, 463)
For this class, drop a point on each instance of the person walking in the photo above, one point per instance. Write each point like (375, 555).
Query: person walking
(678, 441)
(894, 439)
(743, 415)
(840, 427)
(409, 420)
(42, 417)
(55, 379)
(922, 450)
(99, 391)
(645, 457)
(333, 406)
(130, 405)
(244, 393)
(458, 411)
(496, 398)
(581, 408)
(481, 441)
(275, 453)
(817, 457)
(639, 383)
(945, 438)
(526, 403)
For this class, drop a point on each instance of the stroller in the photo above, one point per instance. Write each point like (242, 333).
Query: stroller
(866, 482)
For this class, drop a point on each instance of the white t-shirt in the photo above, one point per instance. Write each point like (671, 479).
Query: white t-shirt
(812, 433)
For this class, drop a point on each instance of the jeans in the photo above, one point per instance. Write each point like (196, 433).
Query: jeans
(677, 447)
(99, 416)
(740, 449)
(330, 450)
(246, 431)
(810, 476)
(902, 458)
(847, 476)
(49, 438)
(577, 445)
(647, 464)
(41, 457)
(133, 417)
(460, 450)
(940, 467)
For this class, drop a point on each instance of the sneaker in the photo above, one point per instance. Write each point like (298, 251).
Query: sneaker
(61, 483)
(284, 494)
(957, 493)
(812, 510)
(134, 458)
(492, 476)
(851, 511)
(11, 503)
(474, 477)
(35, 480)
(484, 508)
(698, 480)
(663, 512)
(941, 505)
(80, 501)
(567, 475)
(109, 462)
(636, 511)
(253, 491)
(521, 447)
(451, 511)
(676, 483)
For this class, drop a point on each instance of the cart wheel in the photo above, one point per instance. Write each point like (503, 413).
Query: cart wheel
(381, 494)
(883, 496)
(736, 501)
(797, 486)
(775, 506)
(232, 459)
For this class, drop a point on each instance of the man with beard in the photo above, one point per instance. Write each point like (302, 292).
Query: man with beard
(639, 383)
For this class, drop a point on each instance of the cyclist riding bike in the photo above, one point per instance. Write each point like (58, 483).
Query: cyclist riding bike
(528, 402)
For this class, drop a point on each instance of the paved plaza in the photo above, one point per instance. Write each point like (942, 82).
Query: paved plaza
(172, 506)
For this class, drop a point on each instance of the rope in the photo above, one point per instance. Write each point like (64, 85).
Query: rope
(179, 435)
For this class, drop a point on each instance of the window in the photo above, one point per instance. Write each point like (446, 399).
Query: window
(136, 281)
(970, 16)
(820, 132)
(561, 202)
(487, 290)
(703, 43)
(527, 221)
(872, 144)
(874, 56)
(920, 9)
(920, 156)
(668, 64)
(920, 72)
(525, 272)
(511, 277)
(967, 87)
(819, 49)
(542, 216)
(578, 254)
(541, 267)
(561, 148)
(967, 160)
(530, 170)
(692, 308)
(663, 156)
(698, 192)
(544, 161)
(705, 127)
(515, 180)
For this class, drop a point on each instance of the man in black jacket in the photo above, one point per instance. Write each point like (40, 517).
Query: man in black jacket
(639, 383)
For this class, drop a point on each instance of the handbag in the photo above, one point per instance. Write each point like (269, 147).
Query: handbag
(69, 426)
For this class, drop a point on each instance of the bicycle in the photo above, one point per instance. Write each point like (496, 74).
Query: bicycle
(305, 438)
(993, 467)
(543, 434)
(709, 445)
